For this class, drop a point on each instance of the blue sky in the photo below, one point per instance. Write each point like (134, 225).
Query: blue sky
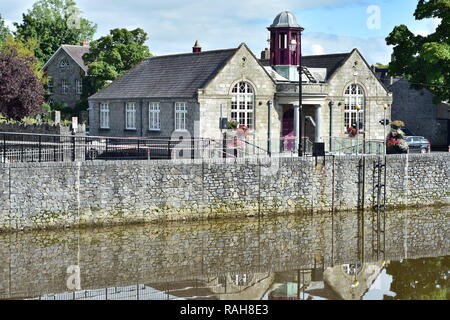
(331, 26)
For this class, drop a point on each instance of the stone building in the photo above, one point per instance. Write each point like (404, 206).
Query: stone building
(191, 92)
(66, 70)
(416, 108)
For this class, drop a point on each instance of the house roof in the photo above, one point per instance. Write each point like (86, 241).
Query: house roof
(170, 76)
(75, 52)
(331, 62)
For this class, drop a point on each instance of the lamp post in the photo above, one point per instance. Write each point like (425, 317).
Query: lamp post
(300, 93)
(358, 108)
(385, 107)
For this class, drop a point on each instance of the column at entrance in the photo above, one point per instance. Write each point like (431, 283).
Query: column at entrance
(296, 121)
(318, 120)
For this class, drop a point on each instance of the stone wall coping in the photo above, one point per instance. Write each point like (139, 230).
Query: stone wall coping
(228, 161)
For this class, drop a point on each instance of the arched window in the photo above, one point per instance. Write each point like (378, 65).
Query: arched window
(354, 96)
(242, 104)
(64, 64)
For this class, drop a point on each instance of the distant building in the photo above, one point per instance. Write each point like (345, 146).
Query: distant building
(190, 92)
(416, 108)
(66, 70)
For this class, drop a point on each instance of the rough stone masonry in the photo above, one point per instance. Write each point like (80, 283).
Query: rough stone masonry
(49, 195)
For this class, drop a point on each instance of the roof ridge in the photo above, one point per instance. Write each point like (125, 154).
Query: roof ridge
(328, 54)
(191, 53)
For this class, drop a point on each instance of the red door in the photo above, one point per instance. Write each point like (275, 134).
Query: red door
(288, 131)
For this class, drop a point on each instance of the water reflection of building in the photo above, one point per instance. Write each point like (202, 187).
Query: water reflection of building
(343, 282)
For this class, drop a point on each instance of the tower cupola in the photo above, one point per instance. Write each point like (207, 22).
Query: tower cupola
(285, 38)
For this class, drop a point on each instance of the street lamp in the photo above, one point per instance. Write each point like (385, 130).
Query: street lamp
(300, 93)
(385, 107)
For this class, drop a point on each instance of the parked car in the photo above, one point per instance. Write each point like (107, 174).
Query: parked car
(418, 144)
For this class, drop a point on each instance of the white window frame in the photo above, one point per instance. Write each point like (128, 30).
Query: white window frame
(64, 86)
(243, 104)
(180, 116)
(130, 116)
(354, 95)
(104, 116)
(79, 86)
(154, 120)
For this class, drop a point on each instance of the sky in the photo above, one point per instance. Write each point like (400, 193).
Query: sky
(173, 26)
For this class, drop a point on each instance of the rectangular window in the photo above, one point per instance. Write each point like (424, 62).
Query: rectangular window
(104, 116)
(130, 117)
(79, 86)
(153, 116)
(65, 86)
(50, 85)
(180, 116)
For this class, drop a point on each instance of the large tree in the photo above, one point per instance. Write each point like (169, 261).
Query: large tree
(25, 51)
(4, 30)
(21, 92)
(112, 55)
(424, 60)
(53, 23)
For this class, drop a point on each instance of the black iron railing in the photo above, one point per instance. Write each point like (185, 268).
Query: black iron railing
(20, 147)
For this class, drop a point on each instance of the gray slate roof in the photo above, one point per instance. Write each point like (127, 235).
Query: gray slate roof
(77, 52)
(331, 62)
(171, 76)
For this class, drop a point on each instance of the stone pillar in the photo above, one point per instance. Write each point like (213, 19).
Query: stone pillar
(318, 119)
(296, 121)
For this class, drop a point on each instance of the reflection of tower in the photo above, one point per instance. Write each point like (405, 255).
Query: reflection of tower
(285, 37)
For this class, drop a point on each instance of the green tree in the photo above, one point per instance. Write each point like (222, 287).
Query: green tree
(112, 55)
(4, 30)
(424, 60)
(53, 23)
(25, 51)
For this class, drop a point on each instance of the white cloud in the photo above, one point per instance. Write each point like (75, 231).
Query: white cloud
(373, 49)
(317, 49)
(429, 26)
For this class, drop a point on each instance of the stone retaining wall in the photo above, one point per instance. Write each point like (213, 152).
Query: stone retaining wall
(44, 195)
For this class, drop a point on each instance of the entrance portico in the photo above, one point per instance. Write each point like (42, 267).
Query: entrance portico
(312, 117)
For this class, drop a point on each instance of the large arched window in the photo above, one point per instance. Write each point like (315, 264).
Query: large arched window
(242, 104)
(354, 96)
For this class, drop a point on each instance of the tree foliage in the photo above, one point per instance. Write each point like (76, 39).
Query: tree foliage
(25, 51)
(53, 23)
(114, 54)
(424, 60)
(4, 30)
(21, 92)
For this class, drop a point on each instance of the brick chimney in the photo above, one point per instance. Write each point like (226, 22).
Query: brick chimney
(196, 48)
(85, 43)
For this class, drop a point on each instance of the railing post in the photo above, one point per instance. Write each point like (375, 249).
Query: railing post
(224, 145)
(169, 151)
(73, 148)
(192, 148)
(106, 149)
(4, 149)
(40, 148)
(54, 149)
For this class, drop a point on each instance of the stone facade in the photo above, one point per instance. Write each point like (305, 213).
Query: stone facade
(46, 195)
(70, 73)
(420, 115)
(243, 67)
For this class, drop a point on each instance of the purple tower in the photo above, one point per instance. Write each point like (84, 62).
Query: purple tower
(285, 40)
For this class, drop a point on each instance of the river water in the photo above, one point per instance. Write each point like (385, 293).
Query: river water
(399, 255)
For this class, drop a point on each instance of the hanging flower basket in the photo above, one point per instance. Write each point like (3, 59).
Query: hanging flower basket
(352, 132)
